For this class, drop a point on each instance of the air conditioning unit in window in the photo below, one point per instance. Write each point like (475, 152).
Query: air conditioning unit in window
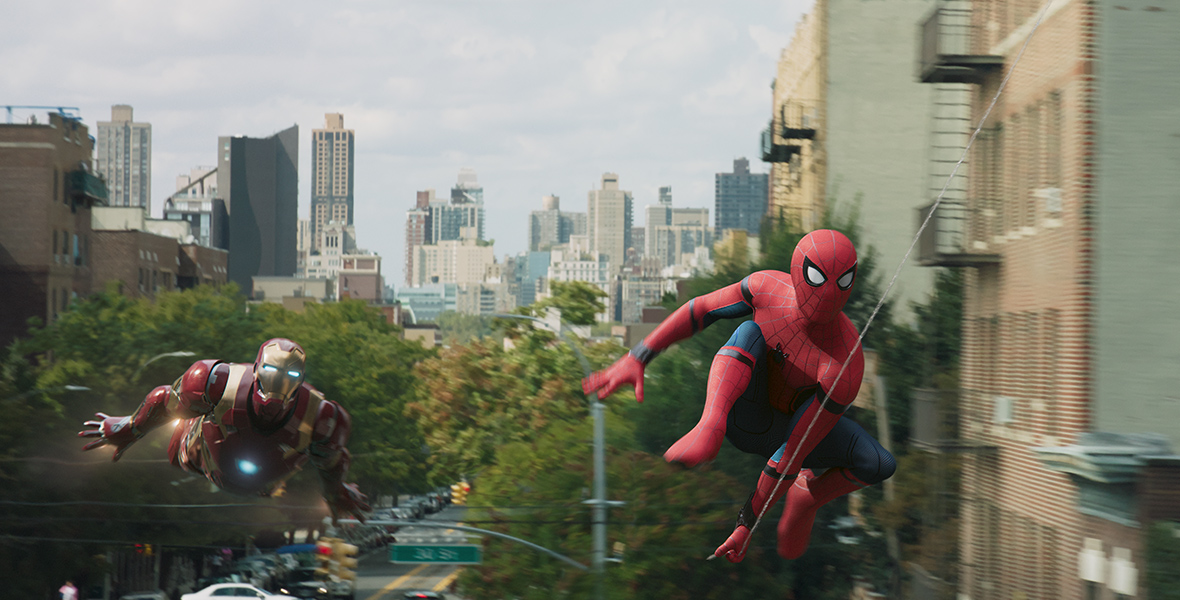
(1002, 410)
(1050, 199)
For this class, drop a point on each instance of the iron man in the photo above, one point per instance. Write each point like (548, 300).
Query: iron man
(246, 428)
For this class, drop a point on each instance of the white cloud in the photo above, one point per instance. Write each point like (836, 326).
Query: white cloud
(539, 97)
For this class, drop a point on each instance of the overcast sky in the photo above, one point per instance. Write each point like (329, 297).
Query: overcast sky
(539, 97)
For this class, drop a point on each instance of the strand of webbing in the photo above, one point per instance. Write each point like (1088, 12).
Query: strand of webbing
(905, 258)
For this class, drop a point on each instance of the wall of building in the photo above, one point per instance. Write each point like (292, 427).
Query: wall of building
(39, 268)
(143, 263)
(259, 179)
(797, 189)
(273, 289)
(202, 265)
(1137, 188)
(1025, 371)
(878, 114)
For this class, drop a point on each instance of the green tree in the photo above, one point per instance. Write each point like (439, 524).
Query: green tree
(358, 360)
(460, 328)
(476, 397)
(103, 343)
(1163, 554)
(578, 301)
(671, 521)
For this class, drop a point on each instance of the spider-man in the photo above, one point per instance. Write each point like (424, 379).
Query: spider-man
(773, 388)
(247, 428)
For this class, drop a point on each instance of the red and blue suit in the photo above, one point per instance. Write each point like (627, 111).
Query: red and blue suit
(776, 388)
(246, 427)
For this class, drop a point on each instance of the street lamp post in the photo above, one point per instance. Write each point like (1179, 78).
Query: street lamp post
(153, 359)
(598, 503)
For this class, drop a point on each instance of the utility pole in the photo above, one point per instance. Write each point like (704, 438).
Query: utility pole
(598, 503)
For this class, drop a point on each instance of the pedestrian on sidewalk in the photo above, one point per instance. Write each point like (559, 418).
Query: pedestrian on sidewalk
(68, 591)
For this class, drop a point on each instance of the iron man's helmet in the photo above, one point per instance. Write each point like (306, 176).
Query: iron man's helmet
(823, 270)
(279, 369)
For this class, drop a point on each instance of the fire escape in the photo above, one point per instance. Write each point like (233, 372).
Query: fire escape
(952, 58)
(783, 136)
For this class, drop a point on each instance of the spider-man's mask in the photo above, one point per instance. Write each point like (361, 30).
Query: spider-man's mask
(279, 371)
(823, 270)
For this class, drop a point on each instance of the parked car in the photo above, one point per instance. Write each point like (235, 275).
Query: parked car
(156, 595)
(422, 595)
(311, 589)
(239, 590)
(254, 573)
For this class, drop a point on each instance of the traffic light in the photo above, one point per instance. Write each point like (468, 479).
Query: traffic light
(345, 559)
(459, 492)
(323, 558)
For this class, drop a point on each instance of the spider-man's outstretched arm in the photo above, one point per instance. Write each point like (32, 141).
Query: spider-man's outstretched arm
(729, 302)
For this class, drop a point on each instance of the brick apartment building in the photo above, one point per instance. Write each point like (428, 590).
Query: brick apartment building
(145, 263)
(1067, 404)
(47, 188)
(54, 246)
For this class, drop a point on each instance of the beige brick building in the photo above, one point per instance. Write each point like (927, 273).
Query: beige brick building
(1068, 374)
(849, 123)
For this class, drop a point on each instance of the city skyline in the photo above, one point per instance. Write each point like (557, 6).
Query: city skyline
(537, 99)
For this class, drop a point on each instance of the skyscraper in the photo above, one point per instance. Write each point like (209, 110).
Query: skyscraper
(196, 200)
(550, 226)
(465, 209)
(608, 221)
(259, 180)
(124, 157)
(332, 150)
(673, 233)
(740, 198)
(417, 230)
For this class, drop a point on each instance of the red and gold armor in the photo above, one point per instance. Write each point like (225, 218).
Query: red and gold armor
(247, 428)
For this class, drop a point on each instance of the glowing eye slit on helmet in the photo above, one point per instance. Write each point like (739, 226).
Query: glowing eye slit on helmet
(279, 369)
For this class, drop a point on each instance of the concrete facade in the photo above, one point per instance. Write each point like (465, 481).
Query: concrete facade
(608, 221)
(848, 77)
(259, 179)
(463, 262)
(360, 278)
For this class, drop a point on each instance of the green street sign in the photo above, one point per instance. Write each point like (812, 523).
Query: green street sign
(451, 554)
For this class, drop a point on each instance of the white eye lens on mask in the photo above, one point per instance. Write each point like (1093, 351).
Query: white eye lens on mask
(845, 280)
(814, 277)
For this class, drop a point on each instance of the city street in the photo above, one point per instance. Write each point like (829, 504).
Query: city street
(379, 579)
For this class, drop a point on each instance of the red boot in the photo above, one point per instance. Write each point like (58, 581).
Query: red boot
(804, 498)
(728, 378)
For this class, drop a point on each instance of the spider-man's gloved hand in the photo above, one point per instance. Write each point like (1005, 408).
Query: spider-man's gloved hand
(627, 369)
